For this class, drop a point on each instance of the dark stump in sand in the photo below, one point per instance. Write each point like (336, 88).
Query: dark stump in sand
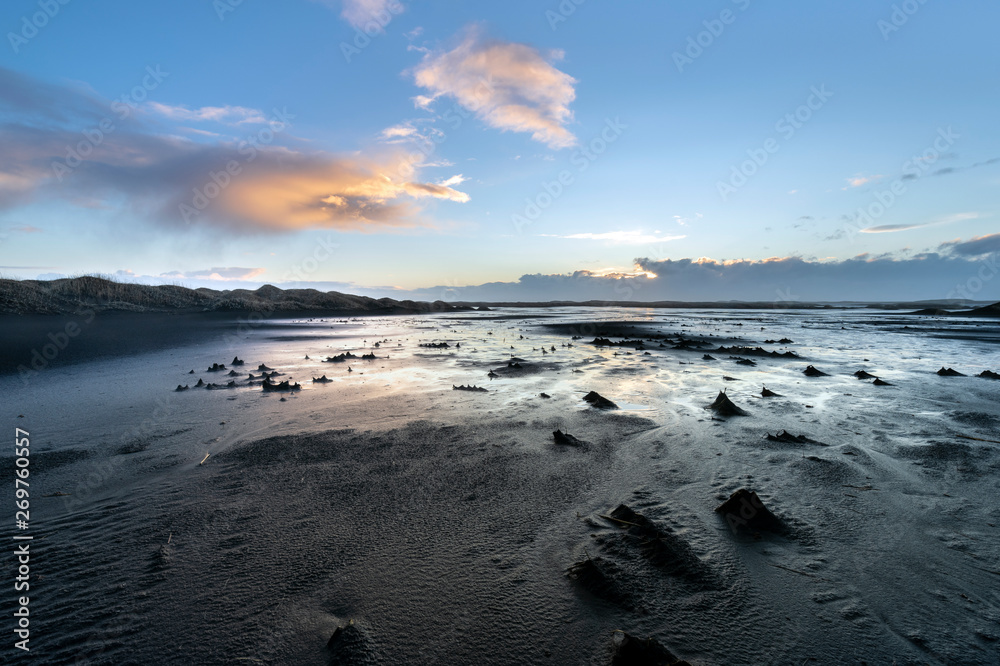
(599, 577)
(200, 383)
(566, 439)
(811, 371)
(182, 388)
(233, 373)
(597, 400)
(744, 510)
(723, 406)
(339, 358)
(708, 357)
(544, 395)
(861, 374)
(988, 374)
(879, 382)
(629, 650)
(662, 547)
(236, 361)
(369, 357)
(948, 372)
(264, 368)
(322, 380)
(217, 367)
(789, 438)
(268, 386)
(768, 393)
(471, 387)
(743, 361)
(348, 645)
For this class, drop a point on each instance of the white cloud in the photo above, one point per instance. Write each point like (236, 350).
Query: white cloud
(512, 87)
(620, 237)
(454, 180)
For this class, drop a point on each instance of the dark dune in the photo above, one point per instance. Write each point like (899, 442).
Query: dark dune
(70, 295)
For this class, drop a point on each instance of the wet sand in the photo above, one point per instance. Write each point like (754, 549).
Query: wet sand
(443, 522)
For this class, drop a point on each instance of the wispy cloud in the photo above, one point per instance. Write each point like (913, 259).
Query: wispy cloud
(398, 132)
(227, 115)
(509, 86)
(218, 273)
(890, 228)
(859, 180)
(620, 237)
(360, 13)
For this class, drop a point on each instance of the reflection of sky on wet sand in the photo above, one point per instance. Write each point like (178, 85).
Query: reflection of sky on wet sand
(89, 404)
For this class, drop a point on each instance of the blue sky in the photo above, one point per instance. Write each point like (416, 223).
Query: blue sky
(727, 133)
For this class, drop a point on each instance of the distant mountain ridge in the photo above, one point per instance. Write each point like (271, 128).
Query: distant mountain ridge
(70, 295)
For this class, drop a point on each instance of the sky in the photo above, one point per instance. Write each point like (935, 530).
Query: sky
(517, 151)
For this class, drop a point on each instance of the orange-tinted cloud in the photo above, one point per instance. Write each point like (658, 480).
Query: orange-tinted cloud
(508, 86)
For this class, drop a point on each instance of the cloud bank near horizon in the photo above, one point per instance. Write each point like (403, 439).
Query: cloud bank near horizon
(953, 274)
(961, 270)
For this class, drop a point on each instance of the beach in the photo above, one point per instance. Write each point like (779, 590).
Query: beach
(235, 525)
